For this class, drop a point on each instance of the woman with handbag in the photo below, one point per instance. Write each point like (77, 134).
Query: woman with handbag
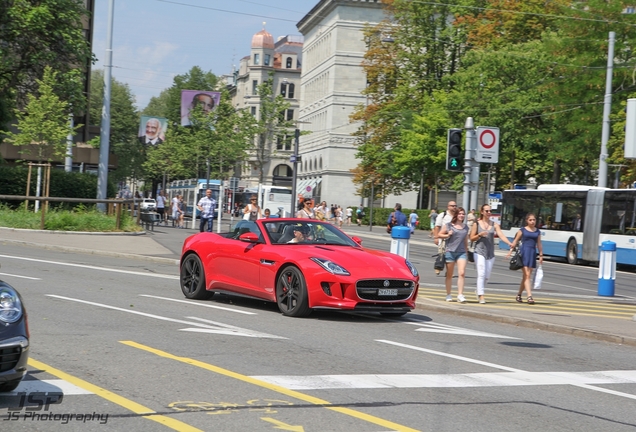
(456, 235)
(483, 236)
(530, 238)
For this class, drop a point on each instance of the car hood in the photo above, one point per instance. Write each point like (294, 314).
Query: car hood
(369, 262)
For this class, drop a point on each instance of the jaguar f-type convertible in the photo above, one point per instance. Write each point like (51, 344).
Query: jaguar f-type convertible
(301, 264)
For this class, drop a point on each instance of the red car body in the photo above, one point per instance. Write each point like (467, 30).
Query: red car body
(325, 269)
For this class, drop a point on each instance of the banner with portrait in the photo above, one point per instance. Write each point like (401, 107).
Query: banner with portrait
(152, 130)
(207, 100)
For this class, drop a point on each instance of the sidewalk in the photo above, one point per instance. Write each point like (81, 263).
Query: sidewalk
(164, 245)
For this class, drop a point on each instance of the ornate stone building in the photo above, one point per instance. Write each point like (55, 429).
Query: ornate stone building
(283, 59)
(332, 82)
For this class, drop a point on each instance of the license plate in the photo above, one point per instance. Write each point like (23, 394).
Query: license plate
(387, 292)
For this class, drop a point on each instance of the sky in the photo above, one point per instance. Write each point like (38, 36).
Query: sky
(155, 40)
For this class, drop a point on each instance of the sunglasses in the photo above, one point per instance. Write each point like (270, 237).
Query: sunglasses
(252, 200)
(453, 205)
(487, 211)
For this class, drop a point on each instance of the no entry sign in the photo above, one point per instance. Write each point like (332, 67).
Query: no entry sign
(487, 144)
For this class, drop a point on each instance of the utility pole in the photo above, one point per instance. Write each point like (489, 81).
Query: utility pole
(468, 164)
(104, 143)
(295, 160)
(607, 109)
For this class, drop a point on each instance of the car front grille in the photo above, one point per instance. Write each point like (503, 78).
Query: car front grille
(369, 289)
(9, 357)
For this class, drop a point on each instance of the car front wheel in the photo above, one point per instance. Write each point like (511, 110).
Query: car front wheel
(192, 279)
(291, 293)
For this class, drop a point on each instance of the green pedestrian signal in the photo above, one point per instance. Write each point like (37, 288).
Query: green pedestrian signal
(454, 160)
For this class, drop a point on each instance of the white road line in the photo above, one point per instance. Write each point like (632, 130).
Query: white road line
(493, 365)
(496, 379)
(49, 386)
(235, 331)
(432, 327)
(18, 276)
(106, 269)
(199, 304)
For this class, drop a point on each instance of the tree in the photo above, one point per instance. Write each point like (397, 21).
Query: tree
(36, 34)
(44, 121)
(124, 125)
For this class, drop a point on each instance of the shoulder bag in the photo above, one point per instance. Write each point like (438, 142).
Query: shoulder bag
(516, 262)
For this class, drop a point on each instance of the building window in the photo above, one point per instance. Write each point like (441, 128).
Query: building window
(253, 111)
(254, 87)
(284, 143)
(289, 63)
(290, 93)
(267, 58)
(257, 59)
(283, 89)
(290, 114)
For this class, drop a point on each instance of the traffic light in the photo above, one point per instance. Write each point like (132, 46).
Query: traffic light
(454, 161)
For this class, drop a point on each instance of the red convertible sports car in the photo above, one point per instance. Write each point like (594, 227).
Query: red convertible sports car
(301, 264)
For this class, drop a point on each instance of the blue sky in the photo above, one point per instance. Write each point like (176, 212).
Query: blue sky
(154, 40)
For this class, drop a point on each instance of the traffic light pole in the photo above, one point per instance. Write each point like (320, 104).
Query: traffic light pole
(469, 165)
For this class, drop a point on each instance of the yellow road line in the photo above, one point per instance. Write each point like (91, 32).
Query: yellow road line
(273, 387)
(145, 412)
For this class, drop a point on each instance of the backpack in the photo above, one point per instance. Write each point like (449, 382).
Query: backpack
(393, 223)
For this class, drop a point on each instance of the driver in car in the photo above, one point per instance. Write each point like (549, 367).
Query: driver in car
(301, 234)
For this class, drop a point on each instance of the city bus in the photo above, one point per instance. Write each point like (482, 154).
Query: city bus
(575, 220)
(193, 190)
(270, 197)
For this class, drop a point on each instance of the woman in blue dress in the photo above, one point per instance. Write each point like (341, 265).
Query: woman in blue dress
(530, 238)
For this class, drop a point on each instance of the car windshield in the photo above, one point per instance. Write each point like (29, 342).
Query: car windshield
(300, 232)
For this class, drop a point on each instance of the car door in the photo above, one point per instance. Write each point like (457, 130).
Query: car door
(238, 262)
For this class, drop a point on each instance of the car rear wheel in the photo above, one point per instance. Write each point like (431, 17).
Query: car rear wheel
(572, 252)
(193, 279)
(291, 293)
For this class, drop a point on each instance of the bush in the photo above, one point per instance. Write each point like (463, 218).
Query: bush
(13, 181)
(80, 219)
(381, 215)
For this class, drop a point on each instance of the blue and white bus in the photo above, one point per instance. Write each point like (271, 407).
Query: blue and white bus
(193, 190)
(274, 198)
(574, 220)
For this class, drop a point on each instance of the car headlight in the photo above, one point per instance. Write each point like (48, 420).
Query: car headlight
(412, 268)
(10, 305)
(331, 266)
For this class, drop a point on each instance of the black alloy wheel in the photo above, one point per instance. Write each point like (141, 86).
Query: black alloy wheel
(193, 279)
(291, 293)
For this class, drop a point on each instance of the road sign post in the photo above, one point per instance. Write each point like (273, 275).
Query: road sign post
(487, 144)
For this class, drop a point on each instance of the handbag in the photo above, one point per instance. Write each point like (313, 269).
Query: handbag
(516, 262)
(470, 253)
(440, 261)
(538, 277)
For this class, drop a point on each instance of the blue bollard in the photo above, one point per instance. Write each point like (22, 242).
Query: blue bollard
(400, 240)
(607, 269)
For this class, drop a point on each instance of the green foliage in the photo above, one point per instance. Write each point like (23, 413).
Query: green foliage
(124, 126)
(44, 121)
(13, 181)
(535, 70)
(36, 34)
(63, 220)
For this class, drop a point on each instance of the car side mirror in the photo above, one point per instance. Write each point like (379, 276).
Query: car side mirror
(357, 240)
(249, 237)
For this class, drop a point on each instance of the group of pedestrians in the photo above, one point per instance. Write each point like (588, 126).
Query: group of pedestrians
(334, 214)
(454, 236)
(176, 210)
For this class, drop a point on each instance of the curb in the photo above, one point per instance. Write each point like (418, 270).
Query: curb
(428, 304)
(160, 260)
(131, 233)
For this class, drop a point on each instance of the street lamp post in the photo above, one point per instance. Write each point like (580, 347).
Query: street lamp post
(295, 160)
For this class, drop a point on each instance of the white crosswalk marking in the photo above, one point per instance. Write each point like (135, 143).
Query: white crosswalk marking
(49, 386)
(494, 379)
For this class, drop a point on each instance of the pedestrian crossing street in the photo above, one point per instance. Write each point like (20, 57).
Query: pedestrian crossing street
(547, 303)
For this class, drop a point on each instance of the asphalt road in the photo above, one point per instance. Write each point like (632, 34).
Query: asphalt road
(118, 339)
